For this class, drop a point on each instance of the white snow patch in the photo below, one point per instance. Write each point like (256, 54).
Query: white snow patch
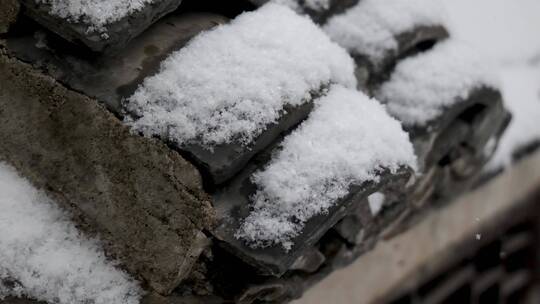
(96, 13)
(421, 87)
(47, 257)
(347, 140)
(376, 202)
(370, 28)
(230, 83)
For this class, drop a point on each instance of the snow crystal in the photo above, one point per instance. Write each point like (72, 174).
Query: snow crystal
(96, 13)
(421, 87)
(347, 140)
(370, 28)
(45, 256)
(229, 83)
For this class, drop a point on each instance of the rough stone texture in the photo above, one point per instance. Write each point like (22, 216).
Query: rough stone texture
(118, 33)
(9, 9)
(143, 200)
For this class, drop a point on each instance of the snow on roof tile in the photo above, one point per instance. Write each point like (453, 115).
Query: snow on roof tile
(421, 87)
(347, 140)
(370, 28)
(45, 255)
(228, 84)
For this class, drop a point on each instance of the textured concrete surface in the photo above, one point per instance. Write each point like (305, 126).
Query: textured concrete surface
(403, 260)
(143, 200)
(9, 9)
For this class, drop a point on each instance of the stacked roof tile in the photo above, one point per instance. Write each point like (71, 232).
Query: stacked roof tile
(226, 160)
